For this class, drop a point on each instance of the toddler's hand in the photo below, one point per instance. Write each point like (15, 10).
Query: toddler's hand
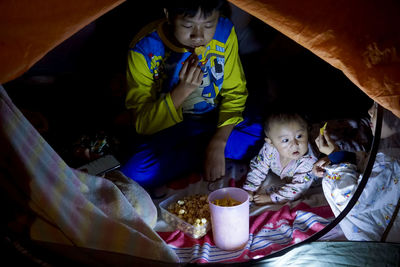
(325, 144)
(319, 167)
(262, 199)
(250, 195)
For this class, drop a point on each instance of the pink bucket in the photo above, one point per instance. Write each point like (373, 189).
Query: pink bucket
(230, 225)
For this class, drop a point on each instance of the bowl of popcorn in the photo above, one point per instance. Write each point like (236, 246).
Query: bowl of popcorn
(188, 213)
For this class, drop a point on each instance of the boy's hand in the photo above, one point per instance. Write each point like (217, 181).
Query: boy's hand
(190, 78)
(325, 144)
(319, 167)
(214, 165)
(191, 75)
(262, 199)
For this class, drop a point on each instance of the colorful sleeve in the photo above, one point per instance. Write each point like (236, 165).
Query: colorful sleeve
(259, 168)
(234, 91)
(300, 182)
(150, 114)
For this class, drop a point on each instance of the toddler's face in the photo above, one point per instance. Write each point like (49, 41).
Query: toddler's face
(192, 32)
(290, 139)
(386, 131)
(372, 114)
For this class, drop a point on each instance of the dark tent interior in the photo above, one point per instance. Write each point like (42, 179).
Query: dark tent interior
(77, 90)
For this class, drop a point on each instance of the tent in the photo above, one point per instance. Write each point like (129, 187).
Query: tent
(367, 55)
(361, 39)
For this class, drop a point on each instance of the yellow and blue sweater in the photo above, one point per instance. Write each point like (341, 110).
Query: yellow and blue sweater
(153, 70)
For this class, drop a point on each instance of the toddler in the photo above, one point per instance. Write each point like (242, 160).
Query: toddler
(375, 215)
(288, 154)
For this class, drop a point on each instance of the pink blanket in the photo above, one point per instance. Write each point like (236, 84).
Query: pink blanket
(270, 231)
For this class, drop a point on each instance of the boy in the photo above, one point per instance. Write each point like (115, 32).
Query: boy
(187, 92)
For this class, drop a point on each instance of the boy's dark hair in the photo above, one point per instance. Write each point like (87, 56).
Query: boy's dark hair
(191, 7)
(282, 117)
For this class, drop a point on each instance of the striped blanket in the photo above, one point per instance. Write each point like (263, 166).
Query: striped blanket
(270, 231)
(67, 206)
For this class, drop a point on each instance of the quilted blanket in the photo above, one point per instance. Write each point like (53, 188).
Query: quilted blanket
(52, 202)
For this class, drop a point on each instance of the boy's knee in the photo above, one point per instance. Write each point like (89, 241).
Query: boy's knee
(144, 174)
(244, 142)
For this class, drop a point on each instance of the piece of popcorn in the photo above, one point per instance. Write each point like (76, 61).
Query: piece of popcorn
(199, 50)
(321, 131)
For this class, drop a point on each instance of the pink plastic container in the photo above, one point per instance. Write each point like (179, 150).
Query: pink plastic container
(230, 225)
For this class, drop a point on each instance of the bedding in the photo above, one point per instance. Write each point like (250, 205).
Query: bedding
(270, 231)
(46, 200)
(272, 227)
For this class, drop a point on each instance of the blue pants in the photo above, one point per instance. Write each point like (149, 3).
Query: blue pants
(180, 150)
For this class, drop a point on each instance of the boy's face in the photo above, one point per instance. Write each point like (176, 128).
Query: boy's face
(290, 139)
(191, 32)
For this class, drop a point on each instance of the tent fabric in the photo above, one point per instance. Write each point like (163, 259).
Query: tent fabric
(30, 29)
(338, 254)
(63, 205)
(361, 38)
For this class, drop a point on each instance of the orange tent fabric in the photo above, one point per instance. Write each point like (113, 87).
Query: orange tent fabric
(361, 38)
(30, 29)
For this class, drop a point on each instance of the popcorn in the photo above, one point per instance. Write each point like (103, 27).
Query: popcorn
(194, 213)
(193, 207)
(199, 50)
(226, 202)
(321, 131)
